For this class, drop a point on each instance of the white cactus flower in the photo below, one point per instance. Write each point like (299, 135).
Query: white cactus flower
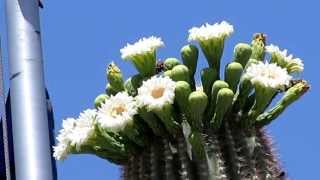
(62, 149)
(210, 31)
(156, 92)
(117, 112)
(84, 129)
(144, 45)
(268, 75)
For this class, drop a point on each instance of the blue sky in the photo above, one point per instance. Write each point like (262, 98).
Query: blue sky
(81, 37)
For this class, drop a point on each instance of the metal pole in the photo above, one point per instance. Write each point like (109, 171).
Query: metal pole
(28, 101)
(4, 119)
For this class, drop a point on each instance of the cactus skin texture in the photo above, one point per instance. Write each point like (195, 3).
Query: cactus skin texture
(232, 153)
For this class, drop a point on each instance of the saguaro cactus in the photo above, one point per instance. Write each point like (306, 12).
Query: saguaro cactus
(160, 125)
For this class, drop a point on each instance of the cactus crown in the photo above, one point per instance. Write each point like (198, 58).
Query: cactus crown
(158, 125)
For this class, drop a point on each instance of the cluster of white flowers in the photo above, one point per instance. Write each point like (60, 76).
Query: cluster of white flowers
(116, 112)
(75, 133)
(156, 92)
(289, 59)
(144, 45)
(62, 149)
(268, 75)
(208, 31)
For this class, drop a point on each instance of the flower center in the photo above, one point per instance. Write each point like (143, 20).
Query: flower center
(118, 110)
(157, 92)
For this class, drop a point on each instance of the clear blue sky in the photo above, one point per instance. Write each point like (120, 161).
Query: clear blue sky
(81, 37)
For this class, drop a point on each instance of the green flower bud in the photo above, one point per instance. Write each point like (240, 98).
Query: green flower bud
(223, 104)
(132, 84)
(217, 85)
(182, 92)
(168, 73)
(110, 90)
(180, 73)
(114, 77)
(291, 95)
(208, 76)
(198, 102)
(189, 55)
(232, 75)
(169, 63)
(100, 100)
(242, 53)
(258, 43)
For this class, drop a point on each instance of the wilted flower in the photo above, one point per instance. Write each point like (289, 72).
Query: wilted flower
(284, 60)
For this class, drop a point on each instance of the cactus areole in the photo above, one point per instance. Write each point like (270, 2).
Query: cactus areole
(160, 125)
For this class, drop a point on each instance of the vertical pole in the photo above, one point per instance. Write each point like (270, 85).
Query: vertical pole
(28, 101)
(4, 118)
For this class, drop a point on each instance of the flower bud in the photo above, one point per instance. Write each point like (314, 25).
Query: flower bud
(208, 76)
(110, 90)
(189, 55)
(114, 77)
(198, 102)
(169, 63)
(232, 75)
(217, 85)
(132, 84)
(223, 104)
(242, 53)
(168, 73)
(100, 100)
(258, 43)
(180, 73)
(182, 92)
